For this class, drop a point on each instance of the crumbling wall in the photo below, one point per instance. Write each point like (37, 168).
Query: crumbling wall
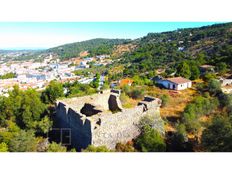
(107, 128)
(123, 126)
(80, 129)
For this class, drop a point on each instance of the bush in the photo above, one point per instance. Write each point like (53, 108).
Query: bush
(208, 76)
(214, 86)
(126, 89)
(137, 94)
(165, 99)
(199, 107)
(52, 92)
(128, 147)
(92, 148)
(3, 147)
(218, 136)
(54, 147)
(221, 68)
(23, 141)
(150, 141)
(147, 120)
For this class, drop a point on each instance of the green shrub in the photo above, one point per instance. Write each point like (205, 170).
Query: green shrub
(165, 99)
(150, 140)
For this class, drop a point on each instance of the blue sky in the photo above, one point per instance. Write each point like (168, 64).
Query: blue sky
(31, 35)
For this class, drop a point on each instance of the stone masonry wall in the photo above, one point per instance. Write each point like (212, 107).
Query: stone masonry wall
(121, 127)
(105, 128)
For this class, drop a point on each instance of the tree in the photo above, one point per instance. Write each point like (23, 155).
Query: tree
(225, 100)
(183, 70)
(52, 92)
(23, 141)
(182, 135)
(24, 107)
(221, 68)
(218, 136)
(8, 76)
(3, 147)
(92, 148)
(201, 58)
(7, 135)
(195, 72)
(44, 125)
(150, 141)
(10, 106)
(138, 80)
(194, 110)
(209, 76)
(214, 86)
(179, 140)
(54, 147)
(31, 109)
(95, 82)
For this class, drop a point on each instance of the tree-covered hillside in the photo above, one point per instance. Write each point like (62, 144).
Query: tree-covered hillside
(94, 47)
(209, 44)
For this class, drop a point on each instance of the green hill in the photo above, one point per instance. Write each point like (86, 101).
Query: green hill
(204, 45)
(209, 44)
(94, 47)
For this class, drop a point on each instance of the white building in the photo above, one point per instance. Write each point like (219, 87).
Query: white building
(226, 81)
(176, 83)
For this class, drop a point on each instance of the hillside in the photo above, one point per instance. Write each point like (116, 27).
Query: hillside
(209, 44)
(94, 47)
(121, 49)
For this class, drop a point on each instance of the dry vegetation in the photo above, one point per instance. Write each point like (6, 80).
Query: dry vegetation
(177, 100)
(119, 50)
(127, 102)
(117, 69)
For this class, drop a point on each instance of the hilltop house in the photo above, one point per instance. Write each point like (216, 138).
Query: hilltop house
(175, 83)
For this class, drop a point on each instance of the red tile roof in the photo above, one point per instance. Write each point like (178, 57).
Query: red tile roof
(125, 82)
(178, 80)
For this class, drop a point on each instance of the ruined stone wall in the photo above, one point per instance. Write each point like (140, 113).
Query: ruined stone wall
(122, 126)
(106, 128)
(81, 135)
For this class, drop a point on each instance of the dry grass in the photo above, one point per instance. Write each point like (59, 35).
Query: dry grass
(119, 50)
(177, 103)
(177, 100)
(127, 102)
(169, 128)
(117, 69)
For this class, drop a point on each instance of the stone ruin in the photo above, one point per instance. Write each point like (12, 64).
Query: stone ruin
(99, 119)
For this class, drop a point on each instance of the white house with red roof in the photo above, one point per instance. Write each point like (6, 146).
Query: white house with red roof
(175, 83)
